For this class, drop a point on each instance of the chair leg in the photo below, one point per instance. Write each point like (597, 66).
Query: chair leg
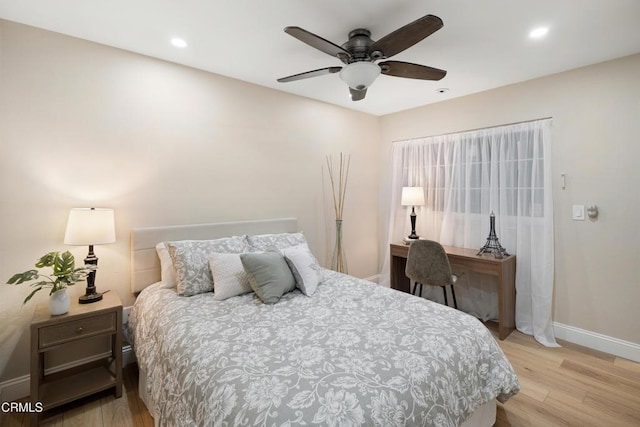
(453, 293)
(415, 287)
(444, 291)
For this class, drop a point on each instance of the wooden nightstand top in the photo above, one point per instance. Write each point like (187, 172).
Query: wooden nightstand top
(42, 316)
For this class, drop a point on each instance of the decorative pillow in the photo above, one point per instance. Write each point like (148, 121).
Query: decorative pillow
(229, 277)
(191, 261)
(269, 275)
(274, 242)
(167, 272)
(304, 267)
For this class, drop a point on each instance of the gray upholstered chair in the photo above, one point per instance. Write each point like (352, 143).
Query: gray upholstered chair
(427, 263)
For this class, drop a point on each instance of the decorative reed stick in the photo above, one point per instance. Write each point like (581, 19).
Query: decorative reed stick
(343, 176)
(339, 261)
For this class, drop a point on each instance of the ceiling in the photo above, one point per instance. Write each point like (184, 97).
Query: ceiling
(484, 43)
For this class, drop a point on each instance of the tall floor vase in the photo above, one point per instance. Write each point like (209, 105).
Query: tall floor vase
(339, 258)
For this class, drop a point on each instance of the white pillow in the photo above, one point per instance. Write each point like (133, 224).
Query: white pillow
(167, 272)
(229, 277)
(304, 267)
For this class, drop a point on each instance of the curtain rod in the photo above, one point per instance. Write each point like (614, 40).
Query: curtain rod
(476, 129)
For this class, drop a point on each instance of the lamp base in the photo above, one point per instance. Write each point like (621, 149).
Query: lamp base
(89, 298)
(413, 235)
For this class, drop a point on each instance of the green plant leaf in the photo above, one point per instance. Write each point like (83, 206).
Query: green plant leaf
(47, 260)
(26, 300)
(81, 273)
(64, 273)
(16, 279)
(42, 283)
(57, 286)
(68, 281)
(64, 264)
(77, 277)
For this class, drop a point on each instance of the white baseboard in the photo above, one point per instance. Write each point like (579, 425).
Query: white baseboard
(374, 279)
(596, 341)
(128, 356)
(14, 389)
(17, 388)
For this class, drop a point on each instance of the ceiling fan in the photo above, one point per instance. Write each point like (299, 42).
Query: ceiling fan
(360, 53)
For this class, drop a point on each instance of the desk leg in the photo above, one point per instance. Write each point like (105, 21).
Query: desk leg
(506, 299)
(398, 279)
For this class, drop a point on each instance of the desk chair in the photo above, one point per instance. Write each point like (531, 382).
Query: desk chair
(427, 263)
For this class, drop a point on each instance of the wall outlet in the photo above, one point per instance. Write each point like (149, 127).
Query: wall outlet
(578, 212)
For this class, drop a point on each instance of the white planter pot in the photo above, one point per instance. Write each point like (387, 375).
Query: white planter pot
(59, 302)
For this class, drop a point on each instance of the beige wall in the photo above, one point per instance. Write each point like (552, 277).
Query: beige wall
(83, 124)
(596, 143)
(88, 125)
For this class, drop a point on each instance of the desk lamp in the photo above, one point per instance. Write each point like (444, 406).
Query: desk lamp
(413, 196)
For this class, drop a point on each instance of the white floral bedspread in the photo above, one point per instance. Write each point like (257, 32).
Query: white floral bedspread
(354, 353)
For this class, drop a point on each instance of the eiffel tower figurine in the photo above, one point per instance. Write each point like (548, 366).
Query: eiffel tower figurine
(493, 245)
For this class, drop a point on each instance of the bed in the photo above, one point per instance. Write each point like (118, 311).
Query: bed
(352, 353)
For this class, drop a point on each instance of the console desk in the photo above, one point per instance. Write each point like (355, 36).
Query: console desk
(504, 269)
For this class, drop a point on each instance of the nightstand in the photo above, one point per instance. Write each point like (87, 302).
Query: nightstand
(83, 321)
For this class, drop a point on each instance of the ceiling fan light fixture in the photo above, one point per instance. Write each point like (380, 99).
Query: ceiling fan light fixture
(360, 75)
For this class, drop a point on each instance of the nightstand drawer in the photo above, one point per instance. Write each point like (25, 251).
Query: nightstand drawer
(69, 331)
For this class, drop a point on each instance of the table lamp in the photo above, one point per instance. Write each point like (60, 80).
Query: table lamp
(90, 226)
(413, 196)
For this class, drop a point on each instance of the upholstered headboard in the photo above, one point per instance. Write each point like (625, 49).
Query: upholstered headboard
(145, 265)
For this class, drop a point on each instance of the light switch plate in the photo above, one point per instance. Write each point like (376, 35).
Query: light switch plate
(578, 212)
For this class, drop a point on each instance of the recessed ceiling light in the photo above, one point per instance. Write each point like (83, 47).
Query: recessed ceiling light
(538, 32)
(178, 42)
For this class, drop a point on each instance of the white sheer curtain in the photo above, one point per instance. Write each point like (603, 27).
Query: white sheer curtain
(466, 176)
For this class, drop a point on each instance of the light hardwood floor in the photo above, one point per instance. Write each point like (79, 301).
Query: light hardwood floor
(568, 386)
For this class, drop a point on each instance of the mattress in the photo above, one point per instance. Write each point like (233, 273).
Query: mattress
(354, 353)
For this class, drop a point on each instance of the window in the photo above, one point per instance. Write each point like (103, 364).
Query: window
(468, 175)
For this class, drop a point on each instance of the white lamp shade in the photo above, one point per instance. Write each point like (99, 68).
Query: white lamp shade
(412, 196)
(89, 226)
(360, 75)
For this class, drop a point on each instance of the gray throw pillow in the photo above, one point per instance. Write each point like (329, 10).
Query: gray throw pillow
(191, 261)
(269, 275)
(274, 242)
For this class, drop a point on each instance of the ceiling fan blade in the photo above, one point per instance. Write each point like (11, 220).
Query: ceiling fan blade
(411, 71)
(357, 94)
(405, 37)
(309, 74)
(318, 42)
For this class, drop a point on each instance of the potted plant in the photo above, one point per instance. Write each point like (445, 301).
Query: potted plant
(64, 274)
